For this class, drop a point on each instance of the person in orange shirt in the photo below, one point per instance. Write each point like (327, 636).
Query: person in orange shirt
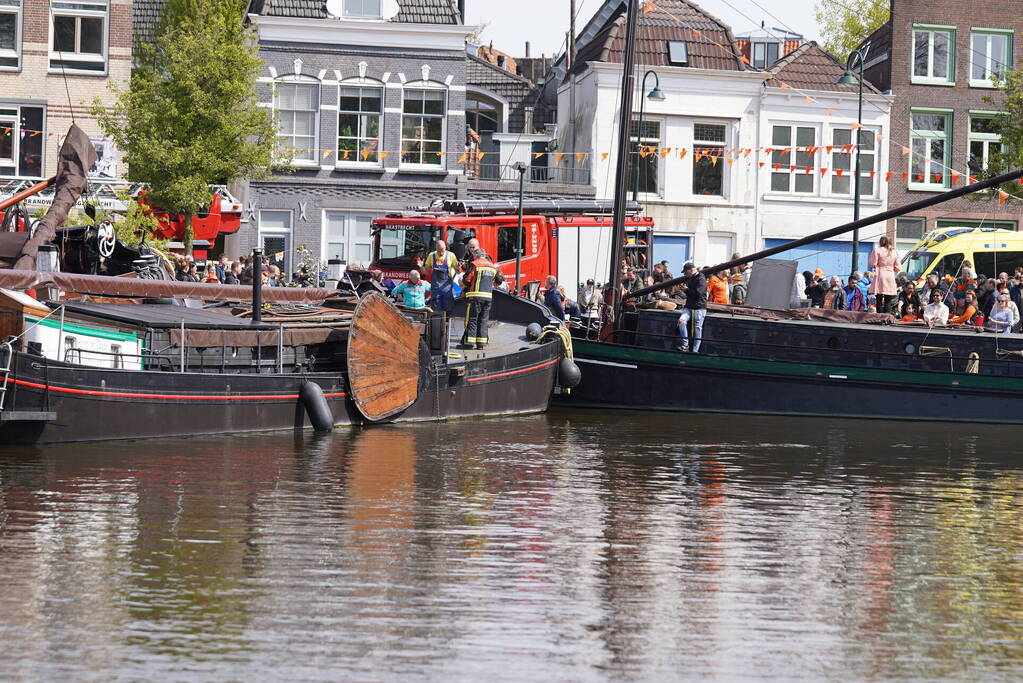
(717, 288)
(968, 312)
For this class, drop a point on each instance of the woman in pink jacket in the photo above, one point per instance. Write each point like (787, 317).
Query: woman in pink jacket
(884, 261)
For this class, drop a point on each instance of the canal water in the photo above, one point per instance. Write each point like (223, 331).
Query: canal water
(569, 546)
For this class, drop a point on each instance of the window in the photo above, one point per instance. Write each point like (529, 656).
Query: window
(678, 53)
(21, 141)
(933, 59)
(507, 242)
(336, 242)
(764, 54)
(910, 228)
(358, 124)
(645, 144)
(422, 127)
(275, 238)
(990, 56)
(846, 161)
(482, 114)
(362, 9)
(296, 106)
(79, 36)
(708, 172)
(991, 263)
(793, 170)
(10, 34)
(984, 141)
(908, 233)
(116, 361)
(349, 237)
(929, 149)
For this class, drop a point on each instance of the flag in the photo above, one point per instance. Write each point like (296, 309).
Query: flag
(603, 156)
(558, 157)
(648, 7)
(326, 153)
(682, 154)
(578, 157)
(462, 159)
(1003, 196)
(383, 155)
(823, 171)
(537, 155)
(905, 151)
(955, 177)
(855, 126)
(888, 176)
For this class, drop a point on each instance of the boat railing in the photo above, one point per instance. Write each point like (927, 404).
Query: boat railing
(75, 356)
(5, 369)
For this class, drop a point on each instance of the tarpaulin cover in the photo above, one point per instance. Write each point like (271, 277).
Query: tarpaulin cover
(805, 314)
(288, 337)
(76, 157)
(138, 288)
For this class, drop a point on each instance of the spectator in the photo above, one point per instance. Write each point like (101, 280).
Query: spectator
(969, 310)
(817, 288)
(222, 267)
(233, 276)
(963, 285)
(855, 298)
(884, 260)
(987, 296)
(834, 296)
(717, 288)
(275, 279)
(589, 300)
(908, 314)
(933, 282)
(553, 299)
(571, 307)
(499, 283)
(694, 286)
(936, 312)
(413, 291)
(1003, 315)
(908, 297)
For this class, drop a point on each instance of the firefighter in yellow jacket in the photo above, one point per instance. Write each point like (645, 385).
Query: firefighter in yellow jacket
(478, 284)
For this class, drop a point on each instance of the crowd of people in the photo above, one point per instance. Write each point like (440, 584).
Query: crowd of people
(227, 272)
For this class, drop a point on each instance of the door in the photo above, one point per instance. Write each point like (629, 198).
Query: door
(275, 239)
(349, 237)
(672, 248)
(719, 249)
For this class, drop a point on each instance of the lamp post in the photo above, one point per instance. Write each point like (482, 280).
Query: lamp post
(654, 95)
(856, 57)
(521, 168)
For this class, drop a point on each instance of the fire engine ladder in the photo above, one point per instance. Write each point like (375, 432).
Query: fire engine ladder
(7, 348)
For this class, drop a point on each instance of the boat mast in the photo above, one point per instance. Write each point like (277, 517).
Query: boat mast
(847, 227)
(622, 165)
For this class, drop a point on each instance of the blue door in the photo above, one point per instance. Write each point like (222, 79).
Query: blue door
(833, 257)
(672, 248)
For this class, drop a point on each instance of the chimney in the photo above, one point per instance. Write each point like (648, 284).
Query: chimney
(527, 122)
(461, 10)
(527, 49)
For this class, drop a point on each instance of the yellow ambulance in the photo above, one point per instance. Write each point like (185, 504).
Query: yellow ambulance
(990, 250)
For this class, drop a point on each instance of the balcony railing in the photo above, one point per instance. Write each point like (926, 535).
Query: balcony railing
(495, 172)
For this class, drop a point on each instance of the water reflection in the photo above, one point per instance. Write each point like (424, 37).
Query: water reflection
(573, 545)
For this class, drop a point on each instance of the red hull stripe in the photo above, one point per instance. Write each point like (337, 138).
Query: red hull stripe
(170, 397)
(515, 372)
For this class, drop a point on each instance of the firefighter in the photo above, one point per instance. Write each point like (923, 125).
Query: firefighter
(478, 284)
(441, 267)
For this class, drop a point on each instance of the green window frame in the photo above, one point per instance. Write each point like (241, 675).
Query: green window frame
(990, 56)
(930, 145)
(933, 55)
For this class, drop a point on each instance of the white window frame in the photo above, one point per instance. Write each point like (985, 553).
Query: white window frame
(64, 8)
(14, 8)
(349, 14)
(424, 85)
(766, 63)
(356, 159)
(871, 133)
(13, 121)
(930, 79)
(288, 232)
(800, 168)
(706, 144)
(988, 139)
(351, 239)
(300, 81)
(638, 140)
(945, 163)
(987, 58)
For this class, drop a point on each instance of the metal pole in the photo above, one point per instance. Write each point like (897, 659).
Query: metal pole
(639, 131)
(257, 286)
(856, 179)
(521, 168)
(571, 84)
(182, 343)
(60, 337)
(622, 166)
(280, 349)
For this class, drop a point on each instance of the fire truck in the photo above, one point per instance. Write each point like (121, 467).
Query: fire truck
(570, 240)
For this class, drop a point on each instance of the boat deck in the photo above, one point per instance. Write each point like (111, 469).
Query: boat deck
(505, 338)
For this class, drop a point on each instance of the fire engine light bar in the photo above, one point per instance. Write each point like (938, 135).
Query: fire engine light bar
(546, 207)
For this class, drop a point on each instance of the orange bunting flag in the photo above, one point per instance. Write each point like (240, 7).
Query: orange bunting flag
(480, 155)
(880, 138)
(698, 156)
(676, 19)
(558, 157)
(648, 7)
(973, 179)
(938, 177)
(872, 174)
(1003, 196)
(888, 176)
(365, 154)
(345, 157)
(383, 155)
(665, 151)
(792, 168)
(955, 177)
(905, 151)
(769, 150)
(786, 150)
(761, 164)
(829, 148)
(713, 161)
(809, 99)
(745, 59)
(838, 172)
(823, 171)
(326, 153)
(832, 112)
(537, 155)
(730, 161)
(462, 159)
(919, 177)
(603, 156)
(440, 154)
(682, 154)
(777, 166)
(694, 32)
(578, 157)
(746, 152)
(855, 126)
(905, 176)
(785, 85)
(808, 170)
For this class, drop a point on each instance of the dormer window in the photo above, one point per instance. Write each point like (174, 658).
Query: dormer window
(362, 9)
(764, 54)
(678, 53)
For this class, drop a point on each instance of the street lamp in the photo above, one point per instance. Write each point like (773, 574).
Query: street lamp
(654, 95)
(857, 57)
(521, 168)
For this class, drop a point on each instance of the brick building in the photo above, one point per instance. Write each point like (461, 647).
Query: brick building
(937, 59)
(375, 104)
(55, 58)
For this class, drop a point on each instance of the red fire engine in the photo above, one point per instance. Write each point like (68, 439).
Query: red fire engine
(570, 240)
(224, 217)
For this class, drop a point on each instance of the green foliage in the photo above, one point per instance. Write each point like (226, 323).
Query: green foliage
(1008, 100)
(189, 117)
(846, 23)
(136, 225)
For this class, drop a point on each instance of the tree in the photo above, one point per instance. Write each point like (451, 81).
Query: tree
(189, 117)
(846, 23)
